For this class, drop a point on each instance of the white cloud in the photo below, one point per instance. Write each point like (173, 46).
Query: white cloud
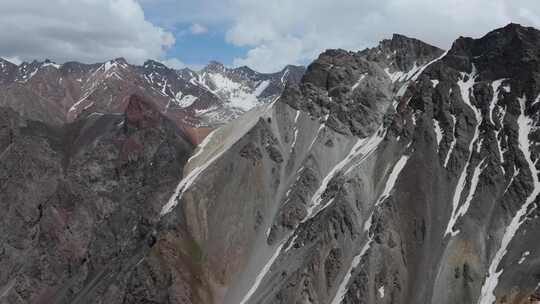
(275, 33)
(275, 54)
(197, 29)
(173, 63)
(83, 30)
(282, 31)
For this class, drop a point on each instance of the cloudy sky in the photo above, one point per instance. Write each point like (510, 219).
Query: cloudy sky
(263, 34)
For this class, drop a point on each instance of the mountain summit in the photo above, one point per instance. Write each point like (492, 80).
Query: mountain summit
(398, 174)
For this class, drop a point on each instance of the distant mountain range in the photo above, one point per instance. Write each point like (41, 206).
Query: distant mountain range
(194, 100)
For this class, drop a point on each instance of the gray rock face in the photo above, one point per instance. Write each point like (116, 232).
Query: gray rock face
(398, 174)
(81, 203)
(406, 175)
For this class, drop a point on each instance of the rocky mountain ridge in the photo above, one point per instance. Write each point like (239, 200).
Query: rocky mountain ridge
(398, 174)
(384, 177)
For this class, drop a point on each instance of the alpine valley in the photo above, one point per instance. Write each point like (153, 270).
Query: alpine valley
(400, 174)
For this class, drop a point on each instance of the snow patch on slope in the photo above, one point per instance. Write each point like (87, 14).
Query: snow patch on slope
(239, 96)
(381, 292)
(523, 257)
(186, 101)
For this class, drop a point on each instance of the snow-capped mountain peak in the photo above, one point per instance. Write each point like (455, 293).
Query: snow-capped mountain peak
(209, 97)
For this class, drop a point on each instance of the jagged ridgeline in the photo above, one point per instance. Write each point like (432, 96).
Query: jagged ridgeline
(398, 174)
(197, 101)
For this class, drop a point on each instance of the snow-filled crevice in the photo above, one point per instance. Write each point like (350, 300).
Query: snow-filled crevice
(465, 89)
(453, 142)
(457, 196)
(392, 178)
(363, 148)
(388, 187)
(525, 125)
(295, 136)
(344, 285)
(262, 273)
(321, 128)
(495, 86)
(358, 82)
(438, 133)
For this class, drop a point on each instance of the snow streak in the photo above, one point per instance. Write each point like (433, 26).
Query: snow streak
(537, 100)
(438, 133)
(453, 143)
(495, 85)
(363, 147)
(389, 185)
(523, 257)
(457, 196)
(416, 75)
(321, 127)
(392, 178)
(262, 274)
(358, 82)
(487, 295)
(342, 289)
(186, 182)
(516, 172)
(293, 144)
(465, 89)
(192, 176)
(499, 145)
